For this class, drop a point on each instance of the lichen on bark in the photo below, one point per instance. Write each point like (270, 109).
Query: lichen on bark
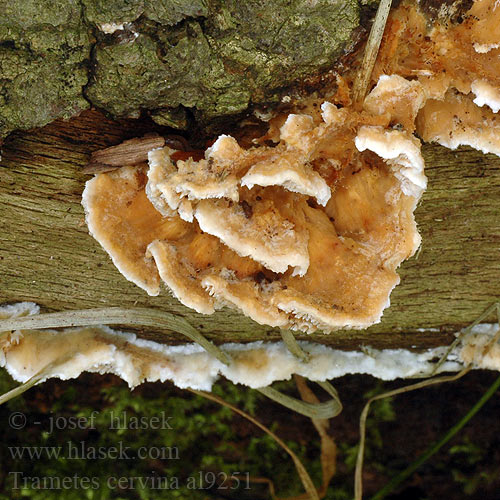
(43, 48)
(234, 54)
(210, 58)
(166, 12)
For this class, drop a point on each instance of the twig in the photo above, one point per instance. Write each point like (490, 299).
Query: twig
(371, 51)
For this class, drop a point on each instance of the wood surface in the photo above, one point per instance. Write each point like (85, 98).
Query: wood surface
(48, 257)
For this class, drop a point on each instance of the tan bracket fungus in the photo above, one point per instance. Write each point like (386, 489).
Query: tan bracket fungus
(241, 227)
(307, 233)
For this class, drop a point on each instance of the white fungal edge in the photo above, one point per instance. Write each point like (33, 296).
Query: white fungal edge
(483, 48)
(211, 220)
(292, 179)
(486, 94)
(402, 152)
(256, 364)
(96, 232)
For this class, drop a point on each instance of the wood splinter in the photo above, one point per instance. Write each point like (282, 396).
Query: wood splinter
(130, 152)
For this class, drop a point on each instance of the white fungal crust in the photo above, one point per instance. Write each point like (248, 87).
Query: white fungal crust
(196, 181)
(345, 285)
(438, 58)
(225, 151)
(285, 171)
(485, 32)
(458, 121)
(247, 296)
(290, 244)
(178, 186)
(402, 152)
(103, 350)
(483, 48)
(397, 96)
(310, 316)
(443, 55)
(486, 95)
(479, 349)
(258, 364)
(297, 132)
(121, 218)
(160, 194)
(19, 309)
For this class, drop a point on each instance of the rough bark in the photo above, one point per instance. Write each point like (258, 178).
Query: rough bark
(47, 255)
(180, 60)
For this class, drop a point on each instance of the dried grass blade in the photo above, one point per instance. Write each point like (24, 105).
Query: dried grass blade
(465, 332)
(371, 51)
(303, 474)
(293, 346)
(328, 446)
(42, 375)
(116, 316)
(327, 409)
(358, 476)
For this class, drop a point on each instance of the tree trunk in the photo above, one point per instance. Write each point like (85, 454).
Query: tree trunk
(48, 257)
(182, 61)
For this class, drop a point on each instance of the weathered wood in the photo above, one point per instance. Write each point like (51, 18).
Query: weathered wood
(47, 255)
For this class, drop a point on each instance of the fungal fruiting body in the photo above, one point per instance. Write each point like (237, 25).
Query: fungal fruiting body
(306, 233)
(454, 69)
(65, 354)
(266, 230)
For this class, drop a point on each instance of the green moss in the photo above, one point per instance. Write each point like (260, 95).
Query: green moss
(200, 440)
(242, 53)
(43, 49)
(213, 56)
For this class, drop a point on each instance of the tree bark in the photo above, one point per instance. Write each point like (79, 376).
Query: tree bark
(182, 61)
(48, 257)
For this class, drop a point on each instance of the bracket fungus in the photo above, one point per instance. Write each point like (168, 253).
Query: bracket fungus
(305, 229)
(303, 234)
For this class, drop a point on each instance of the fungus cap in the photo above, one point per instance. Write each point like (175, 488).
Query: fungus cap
(299, 249)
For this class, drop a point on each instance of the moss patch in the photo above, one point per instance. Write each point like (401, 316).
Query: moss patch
(214, 57)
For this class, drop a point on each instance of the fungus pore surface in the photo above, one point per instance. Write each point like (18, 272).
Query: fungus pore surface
(305, 229)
